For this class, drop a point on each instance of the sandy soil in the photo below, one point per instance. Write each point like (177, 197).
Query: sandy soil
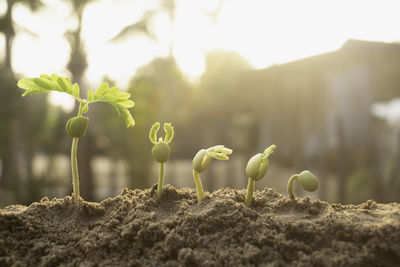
(137, 229)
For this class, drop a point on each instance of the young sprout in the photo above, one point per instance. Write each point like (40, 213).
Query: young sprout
(306, 179)
(161, 150)
(201, 162)
(76, 126)
(256, 169)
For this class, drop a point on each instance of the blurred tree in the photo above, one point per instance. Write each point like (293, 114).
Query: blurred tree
(16, 129)
(218, 103)
(143, 26)
(158, 89)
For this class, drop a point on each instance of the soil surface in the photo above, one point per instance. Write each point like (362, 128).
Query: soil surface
(137, 229)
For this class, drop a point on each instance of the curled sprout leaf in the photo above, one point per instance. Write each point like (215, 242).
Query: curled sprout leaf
(153, 132)
(269, 151)
(169, 132)
(203, 157)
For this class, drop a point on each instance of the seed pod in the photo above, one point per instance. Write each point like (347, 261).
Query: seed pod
(201, 161)
(161, 152)
(254, 165)
(76, 126)
(257, 167)
(308, 181)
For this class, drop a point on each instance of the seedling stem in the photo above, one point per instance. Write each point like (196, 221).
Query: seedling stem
(199, 186)
(249, 193)
(160, 180)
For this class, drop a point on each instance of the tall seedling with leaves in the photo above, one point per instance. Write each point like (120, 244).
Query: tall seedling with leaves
(76, 126)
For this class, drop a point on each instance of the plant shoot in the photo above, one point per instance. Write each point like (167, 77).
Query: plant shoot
(161, 150)
(256, 169)
(306, 179)
(202, 160)
(76, 126)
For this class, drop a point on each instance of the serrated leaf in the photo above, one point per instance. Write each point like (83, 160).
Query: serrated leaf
(54, 77)
(29, 84)
(108, 98)
(127, 103)
(112, 90)
(45, 76)
(75, 90)
(127, 116)
(34, 92)
(102, 89)
(123, 96)
(90, 96)
(46, 84)
(61, 84)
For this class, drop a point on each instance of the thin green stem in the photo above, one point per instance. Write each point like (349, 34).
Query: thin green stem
(199, 186)
(74, 162)
(160, 180)
(290, 186)
(74, 167)
(80, 109)
(250, 190)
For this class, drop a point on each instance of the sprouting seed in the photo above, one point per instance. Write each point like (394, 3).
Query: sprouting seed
(202, 160)
(161, 150)
(307, 180)
(256, 169)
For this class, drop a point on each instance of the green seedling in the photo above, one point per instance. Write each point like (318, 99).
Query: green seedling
(76, 126)
(161, 150)
(256, 169)
(202, 160)
(306, 179)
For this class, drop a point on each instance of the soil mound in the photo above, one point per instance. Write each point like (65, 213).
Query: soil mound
(137, 229)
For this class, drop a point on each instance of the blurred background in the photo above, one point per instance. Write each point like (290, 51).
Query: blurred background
(320, 79)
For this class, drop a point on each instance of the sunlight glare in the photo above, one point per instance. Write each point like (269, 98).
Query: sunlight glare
(65, 101)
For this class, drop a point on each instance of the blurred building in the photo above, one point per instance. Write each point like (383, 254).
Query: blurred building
(323, 102)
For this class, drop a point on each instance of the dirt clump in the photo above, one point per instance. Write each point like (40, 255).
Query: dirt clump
(137, 229)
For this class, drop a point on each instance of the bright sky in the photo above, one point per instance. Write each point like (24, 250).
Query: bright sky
(264, 32)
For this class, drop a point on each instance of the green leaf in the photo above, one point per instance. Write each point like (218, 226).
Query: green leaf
(123, 96)
(112, 90)
(102, 89)
(153, 132)
(29, 84)
(218, 156)
(220, 148)
(269, 151)
(127, 116)
(34, 92)
(90, 96)
(127, 103)
(75, 90)
(46, 83)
